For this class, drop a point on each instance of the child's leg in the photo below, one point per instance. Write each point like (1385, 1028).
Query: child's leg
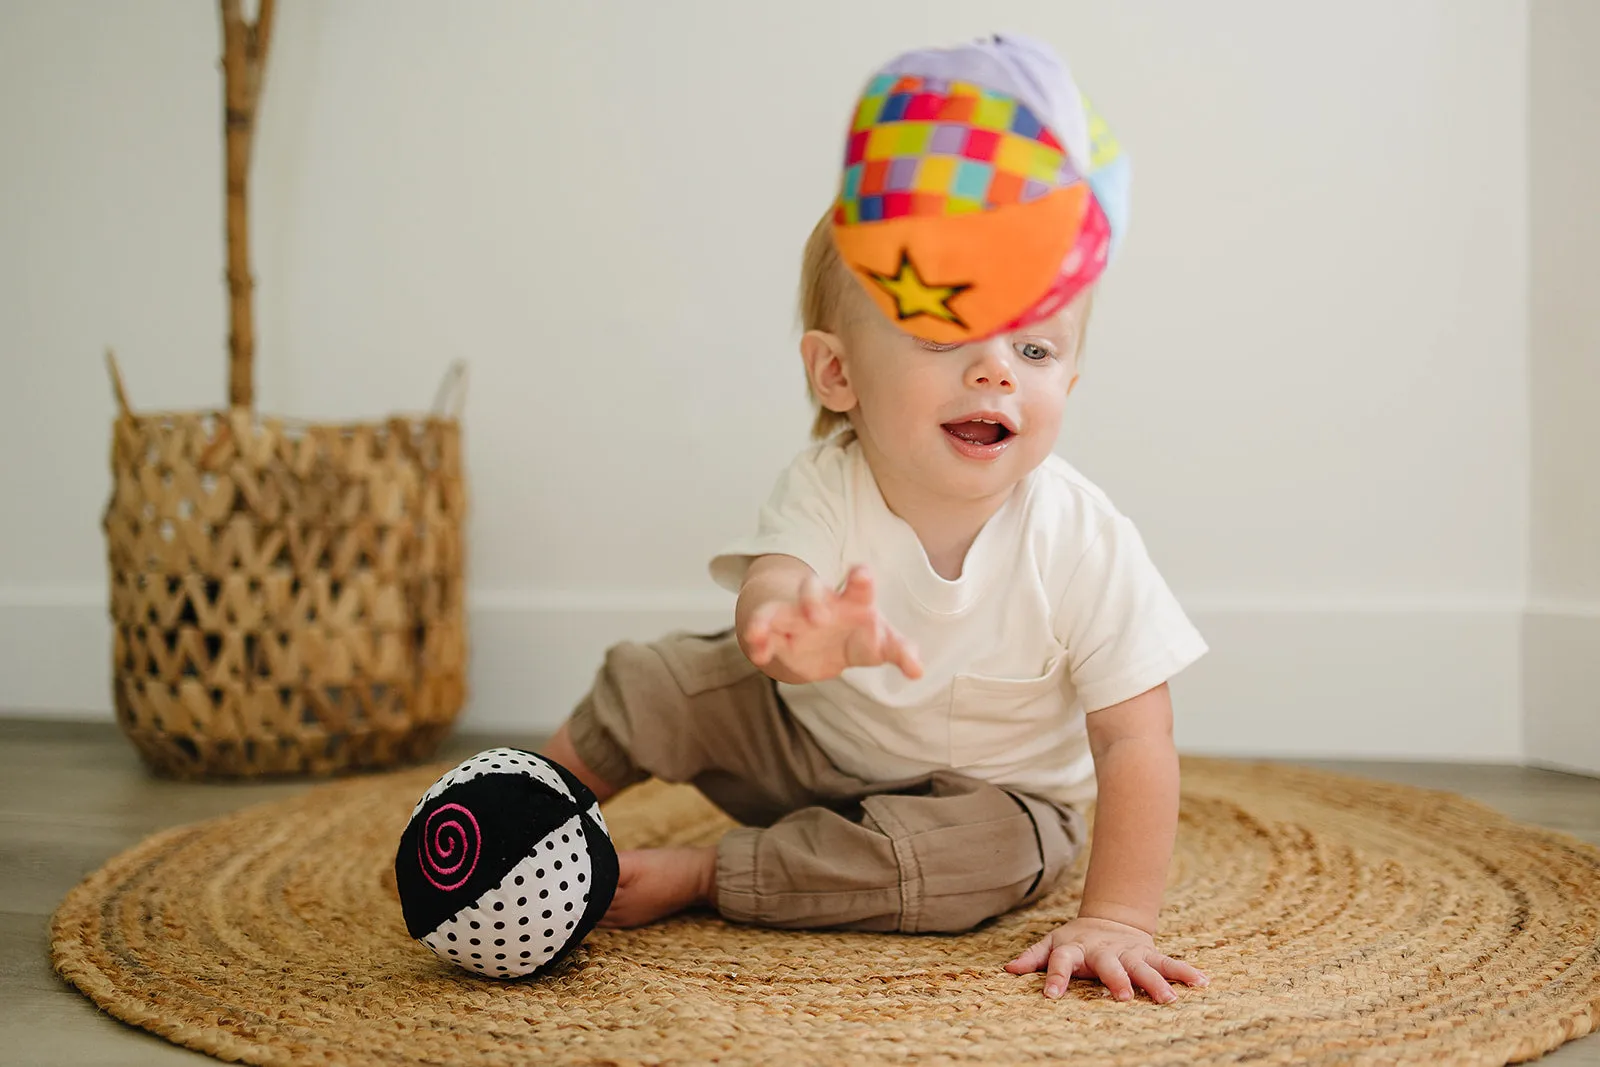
(941, 856)
(649, 884)
(687, 709)
(819, 848)
(559, 748)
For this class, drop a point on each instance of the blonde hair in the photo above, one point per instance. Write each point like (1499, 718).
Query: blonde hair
(830, 301)
(826, 294)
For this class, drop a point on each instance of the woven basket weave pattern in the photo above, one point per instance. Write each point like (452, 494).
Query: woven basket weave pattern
(285, 597)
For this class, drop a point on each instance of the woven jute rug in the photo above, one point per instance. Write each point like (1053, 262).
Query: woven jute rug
(1340, 921)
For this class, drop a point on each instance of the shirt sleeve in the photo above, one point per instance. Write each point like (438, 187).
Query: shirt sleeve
(1123, 629)
(804, 517)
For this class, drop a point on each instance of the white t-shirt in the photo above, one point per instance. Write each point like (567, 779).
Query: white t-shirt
(1058, 611)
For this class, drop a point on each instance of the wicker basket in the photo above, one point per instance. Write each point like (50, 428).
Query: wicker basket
(286, 597)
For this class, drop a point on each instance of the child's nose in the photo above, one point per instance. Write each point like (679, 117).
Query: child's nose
(991, 370)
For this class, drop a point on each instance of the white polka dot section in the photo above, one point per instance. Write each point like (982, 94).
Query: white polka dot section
(495, 761)
(522, 923)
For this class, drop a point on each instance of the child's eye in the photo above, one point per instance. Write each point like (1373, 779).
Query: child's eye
(933, 346)
(1036, 352)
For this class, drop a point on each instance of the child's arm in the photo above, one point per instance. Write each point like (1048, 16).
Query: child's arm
(1136, 820)
(1136, 814)
(796, 630)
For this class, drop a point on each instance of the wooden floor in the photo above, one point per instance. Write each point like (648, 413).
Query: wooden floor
(71, 795)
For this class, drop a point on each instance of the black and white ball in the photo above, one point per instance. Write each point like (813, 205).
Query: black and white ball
(506, 864)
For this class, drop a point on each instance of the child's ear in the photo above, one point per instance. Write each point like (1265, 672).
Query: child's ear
(1072, 385)
(827, 370)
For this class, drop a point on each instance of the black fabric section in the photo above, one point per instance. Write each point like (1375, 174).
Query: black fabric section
(513, 811)
(585, 796)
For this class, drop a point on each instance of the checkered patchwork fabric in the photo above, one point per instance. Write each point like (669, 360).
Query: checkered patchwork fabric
(926, 147)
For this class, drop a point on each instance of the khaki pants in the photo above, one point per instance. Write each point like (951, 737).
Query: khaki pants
(818, 848)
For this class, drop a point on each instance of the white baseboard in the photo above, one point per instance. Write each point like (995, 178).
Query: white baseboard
(1312, 681)
(1561, 687)
(1355, 682)
(55, 654)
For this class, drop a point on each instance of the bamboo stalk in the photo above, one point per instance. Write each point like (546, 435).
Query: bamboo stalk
(244, 57)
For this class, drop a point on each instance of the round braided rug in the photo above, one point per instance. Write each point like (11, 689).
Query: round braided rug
(1340, 921)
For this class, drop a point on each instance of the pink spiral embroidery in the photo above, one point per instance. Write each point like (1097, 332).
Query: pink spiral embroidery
(447, 846)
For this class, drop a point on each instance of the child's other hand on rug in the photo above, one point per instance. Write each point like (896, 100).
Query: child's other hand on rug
(653, 883)
(1120, 956)
(804, 632)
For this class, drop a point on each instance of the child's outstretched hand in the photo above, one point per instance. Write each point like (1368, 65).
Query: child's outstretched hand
(1120, 956)
(821, 632)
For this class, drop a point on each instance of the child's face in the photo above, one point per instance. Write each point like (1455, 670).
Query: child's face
(918, 404)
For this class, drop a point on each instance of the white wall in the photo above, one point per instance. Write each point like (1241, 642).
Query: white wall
(1306, 378)
(1562, 634)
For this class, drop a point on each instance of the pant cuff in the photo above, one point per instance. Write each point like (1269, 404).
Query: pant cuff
(600, 751)
(737, 899)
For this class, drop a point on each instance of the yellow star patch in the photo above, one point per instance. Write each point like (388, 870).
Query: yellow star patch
(913, 296)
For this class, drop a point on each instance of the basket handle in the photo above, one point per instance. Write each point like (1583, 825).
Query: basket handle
(452, 394)
(244, 59)
(117, 388)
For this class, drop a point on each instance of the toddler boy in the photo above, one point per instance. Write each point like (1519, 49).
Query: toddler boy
(947, 642)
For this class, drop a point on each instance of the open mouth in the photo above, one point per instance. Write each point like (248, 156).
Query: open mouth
(981, 432)
(979, 437)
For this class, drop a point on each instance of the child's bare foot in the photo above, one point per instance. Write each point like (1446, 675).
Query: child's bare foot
(653, 883)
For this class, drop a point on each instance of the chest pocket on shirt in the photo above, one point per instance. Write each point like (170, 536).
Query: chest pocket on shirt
(999, 721)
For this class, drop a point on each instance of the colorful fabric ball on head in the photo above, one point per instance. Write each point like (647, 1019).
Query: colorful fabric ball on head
(506, 864)
(980, 193)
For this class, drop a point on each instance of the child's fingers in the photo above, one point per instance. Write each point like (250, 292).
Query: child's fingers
(1148, 979)
(765, 650)
(1065, 961)
(758, 652)
(863, 644)
(859, 587)
(1033, 959)
(770, 630)
(627, 874)
(758, 633)
(759, 625)
(1109, 969)
(898, 650)
(1179, 971)
(813, 606)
